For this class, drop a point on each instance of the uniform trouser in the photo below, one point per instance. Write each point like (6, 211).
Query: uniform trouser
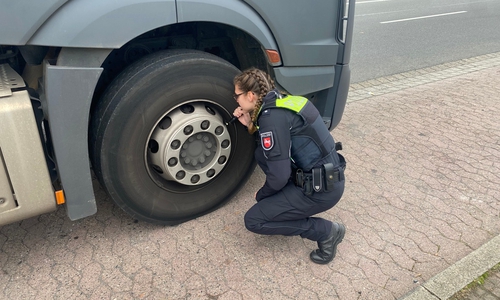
(289, 212)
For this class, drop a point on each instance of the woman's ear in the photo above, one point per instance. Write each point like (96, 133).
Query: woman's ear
(253, 96)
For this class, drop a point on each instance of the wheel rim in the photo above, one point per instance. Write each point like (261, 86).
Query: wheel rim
(189, 145)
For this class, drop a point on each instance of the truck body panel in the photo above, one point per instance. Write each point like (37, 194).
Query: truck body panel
(69, 130)
(103, 24)
(300, 43)
(22, 18)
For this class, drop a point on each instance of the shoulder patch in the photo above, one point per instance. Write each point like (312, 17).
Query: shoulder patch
(267, 140)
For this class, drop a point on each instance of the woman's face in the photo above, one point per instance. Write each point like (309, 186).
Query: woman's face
(246, 100)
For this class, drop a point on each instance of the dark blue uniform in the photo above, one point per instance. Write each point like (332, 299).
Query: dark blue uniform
(290, 141)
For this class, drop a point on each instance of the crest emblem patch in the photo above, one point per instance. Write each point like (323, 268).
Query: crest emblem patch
(267, 140)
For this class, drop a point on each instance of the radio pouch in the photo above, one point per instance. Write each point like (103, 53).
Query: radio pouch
(331, 176)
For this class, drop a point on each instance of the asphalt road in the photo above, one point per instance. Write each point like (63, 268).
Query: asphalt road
(394, 36)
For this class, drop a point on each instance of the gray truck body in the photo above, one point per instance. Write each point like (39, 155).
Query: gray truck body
(65, 49)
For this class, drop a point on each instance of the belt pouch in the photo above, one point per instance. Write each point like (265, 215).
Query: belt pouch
(331, 176)
(317, 179)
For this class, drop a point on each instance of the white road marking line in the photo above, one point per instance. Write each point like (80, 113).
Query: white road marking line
(370, 1)
(424, 17)
(384, 12)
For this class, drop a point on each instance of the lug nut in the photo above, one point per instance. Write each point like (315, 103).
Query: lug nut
(195, 179)
(180, 175)
(205, 124)
(188, 130)
(219, 130)
(175, 144)
(172, 162)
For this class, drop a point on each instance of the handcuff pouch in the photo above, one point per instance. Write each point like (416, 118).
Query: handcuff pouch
(317, 179)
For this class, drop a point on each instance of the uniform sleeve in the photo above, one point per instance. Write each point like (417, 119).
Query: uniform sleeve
(275, 151)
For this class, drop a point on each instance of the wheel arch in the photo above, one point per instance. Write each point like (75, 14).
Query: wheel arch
(97, 24)
(103, 24)
(234, 13)
(229, 42)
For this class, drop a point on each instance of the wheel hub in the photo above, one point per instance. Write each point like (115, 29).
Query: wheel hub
(190, 145)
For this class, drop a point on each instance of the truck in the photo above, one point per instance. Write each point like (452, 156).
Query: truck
(138, 94)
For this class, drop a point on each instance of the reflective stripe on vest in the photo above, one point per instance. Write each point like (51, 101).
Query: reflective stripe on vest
(295, 103)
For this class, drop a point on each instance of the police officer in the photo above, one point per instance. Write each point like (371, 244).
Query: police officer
(304, 172)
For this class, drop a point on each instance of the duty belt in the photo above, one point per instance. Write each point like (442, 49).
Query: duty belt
(320, 179)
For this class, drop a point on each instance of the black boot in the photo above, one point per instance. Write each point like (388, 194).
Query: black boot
(328, 247)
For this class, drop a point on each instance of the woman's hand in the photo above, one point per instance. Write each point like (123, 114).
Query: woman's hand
(243, 117)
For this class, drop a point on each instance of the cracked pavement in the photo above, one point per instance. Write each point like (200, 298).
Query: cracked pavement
(422, 190)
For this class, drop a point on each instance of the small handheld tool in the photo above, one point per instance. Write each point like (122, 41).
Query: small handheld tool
(233, 119)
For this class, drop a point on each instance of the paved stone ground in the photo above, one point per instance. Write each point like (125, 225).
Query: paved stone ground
(423, 187)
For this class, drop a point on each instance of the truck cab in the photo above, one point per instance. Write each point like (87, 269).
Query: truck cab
(138, 93)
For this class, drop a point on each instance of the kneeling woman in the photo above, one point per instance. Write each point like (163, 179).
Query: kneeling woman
(304, 172)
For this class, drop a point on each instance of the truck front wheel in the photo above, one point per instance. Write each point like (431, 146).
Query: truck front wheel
(159, 143)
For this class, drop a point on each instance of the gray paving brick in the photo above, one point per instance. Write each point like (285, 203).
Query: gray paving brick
(422, 193)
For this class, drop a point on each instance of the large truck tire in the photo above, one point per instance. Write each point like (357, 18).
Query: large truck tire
(159, 143)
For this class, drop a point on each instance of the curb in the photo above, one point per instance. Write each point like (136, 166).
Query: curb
(450, 281)
(389, 84)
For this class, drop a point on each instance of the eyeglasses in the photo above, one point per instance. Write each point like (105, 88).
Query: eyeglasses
(236, 96)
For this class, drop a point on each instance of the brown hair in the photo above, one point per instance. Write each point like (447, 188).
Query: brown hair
(258, 82)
